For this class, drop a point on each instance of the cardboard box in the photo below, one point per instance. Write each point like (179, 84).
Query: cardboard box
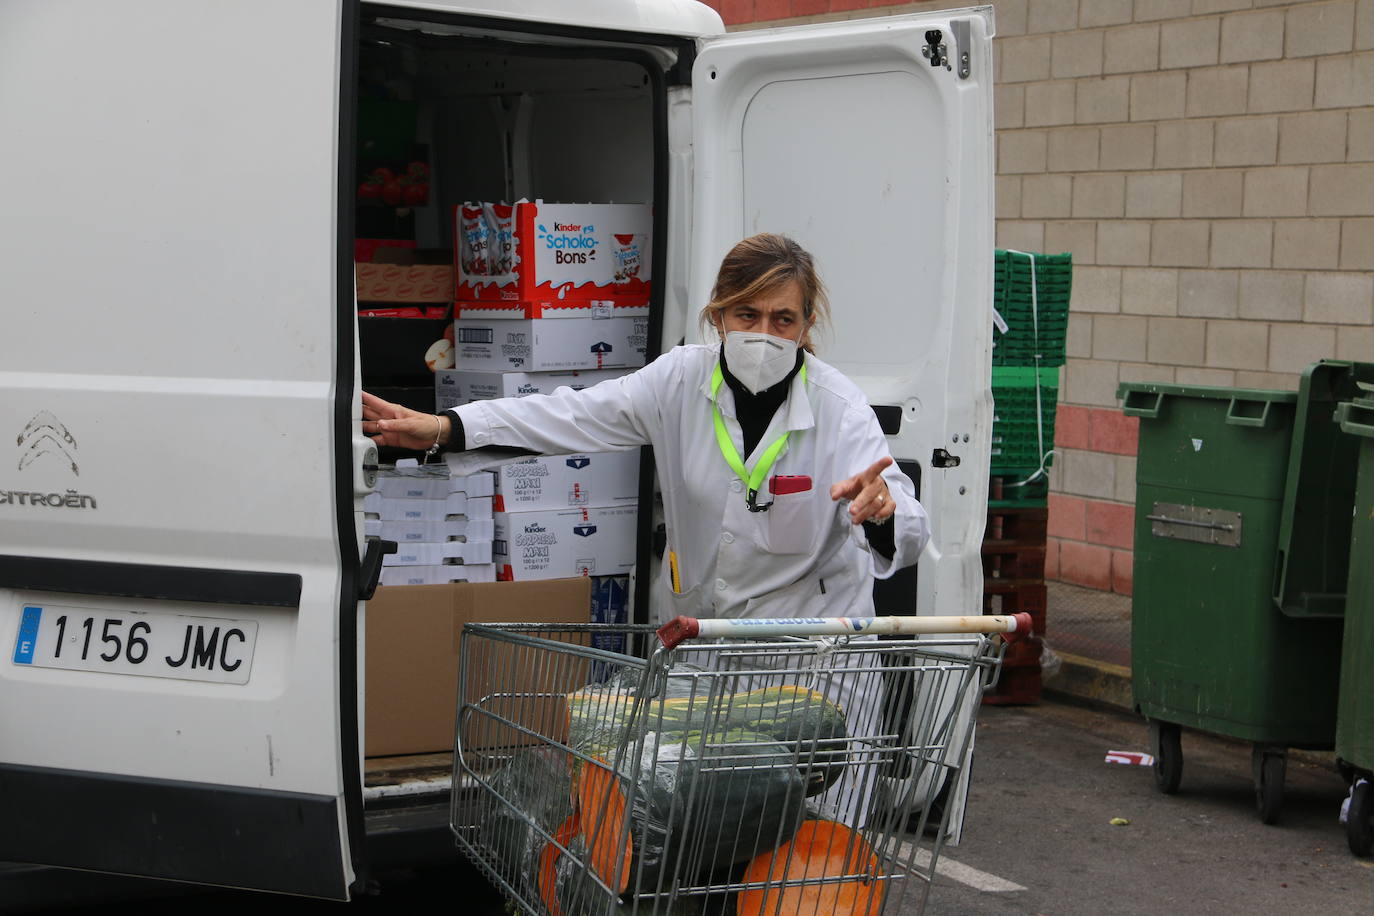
(554, 543)
(431, 482)
(568, 481)
(412, 644)
(404, 283)
(557, 252)
(549, 344)
(435, 553)
(393, 509)
(470, 529)
(455, 387)
(440, 574)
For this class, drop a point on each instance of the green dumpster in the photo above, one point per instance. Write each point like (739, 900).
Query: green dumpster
(1355, 710)
(1243, 503)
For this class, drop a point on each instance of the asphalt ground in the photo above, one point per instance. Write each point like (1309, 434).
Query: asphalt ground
(1039, 837)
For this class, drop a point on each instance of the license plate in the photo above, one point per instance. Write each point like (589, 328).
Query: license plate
(216, 649)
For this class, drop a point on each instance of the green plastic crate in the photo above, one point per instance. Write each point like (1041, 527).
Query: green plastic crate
(1020, 427)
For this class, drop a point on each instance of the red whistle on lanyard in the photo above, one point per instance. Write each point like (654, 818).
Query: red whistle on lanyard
(783, 484)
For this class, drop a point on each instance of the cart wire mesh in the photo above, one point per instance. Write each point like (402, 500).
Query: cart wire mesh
(770, 775)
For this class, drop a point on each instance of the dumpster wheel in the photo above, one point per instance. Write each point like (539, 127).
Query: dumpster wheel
(1269, 765)
(1168, 753)
(1359, 824)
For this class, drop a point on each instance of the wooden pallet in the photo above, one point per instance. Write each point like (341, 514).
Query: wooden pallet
(1018, 683)
(1013, 553)
(1025, 524)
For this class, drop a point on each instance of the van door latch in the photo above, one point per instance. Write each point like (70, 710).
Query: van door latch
(371, 567)
(943, 459)
(935, 50)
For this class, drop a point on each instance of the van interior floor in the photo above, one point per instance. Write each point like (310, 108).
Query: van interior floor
(381, 774)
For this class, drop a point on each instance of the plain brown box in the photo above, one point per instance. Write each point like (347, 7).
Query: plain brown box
(412, 645)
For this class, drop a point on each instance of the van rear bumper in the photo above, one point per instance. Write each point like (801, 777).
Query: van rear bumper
(182, 831)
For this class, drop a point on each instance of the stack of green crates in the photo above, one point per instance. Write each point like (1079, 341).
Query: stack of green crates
(1025, 370)
(1037, 324)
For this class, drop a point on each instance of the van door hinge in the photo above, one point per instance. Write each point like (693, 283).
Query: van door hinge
(962, 46)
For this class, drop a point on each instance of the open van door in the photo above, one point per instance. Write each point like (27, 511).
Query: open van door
(870, 143)
(178, 551)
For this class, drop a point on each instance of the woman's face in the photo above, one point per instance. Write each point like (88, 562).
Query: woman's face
(777, 312)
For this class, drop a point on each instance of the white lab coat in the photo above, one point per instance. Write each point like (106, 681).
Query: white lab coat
(801, 558)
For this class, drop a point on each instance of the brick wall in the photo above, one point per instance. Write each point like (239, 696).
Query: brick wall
(1210, 165)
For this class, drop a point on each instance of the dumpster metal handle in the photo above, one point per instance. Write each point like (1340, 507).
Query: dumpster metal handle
(1191, 523)
(1145, 404)
(1248, 412)
(1203, 524)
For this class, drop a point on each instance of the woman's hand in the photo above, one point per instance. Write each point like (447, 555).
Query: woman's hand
(870, 500)
(391, 424)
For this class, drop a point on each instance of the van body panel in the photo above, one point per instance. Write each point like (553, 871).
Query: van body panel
(659, 17)
(169, 270)
(845, 137)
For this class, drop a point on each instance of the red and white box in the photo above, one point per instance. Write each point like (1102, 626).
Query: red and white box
(557, 255)
(563, 308)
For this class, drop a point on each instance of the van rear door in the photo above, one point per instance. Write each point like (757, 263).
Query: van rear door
(177, 545)
(870, 143)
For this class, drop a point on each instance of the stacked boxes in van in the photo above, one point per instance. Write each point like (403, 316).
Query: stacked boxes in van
(553, 295)
(442, 524)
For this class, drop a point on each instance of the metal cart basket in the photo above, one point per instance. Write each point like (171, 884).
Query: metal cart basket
(720, 766)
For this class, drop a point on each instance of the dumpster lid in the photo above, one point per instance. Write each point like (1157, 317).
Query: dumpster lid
(1125, 389)
(1314, 529)
(1246, 407)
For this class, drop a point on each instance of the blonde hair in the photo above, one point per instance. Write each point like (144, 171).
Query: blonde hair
(760, 264)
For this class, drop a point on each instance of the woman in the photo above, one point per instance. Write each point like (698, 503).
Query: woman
(779, 491)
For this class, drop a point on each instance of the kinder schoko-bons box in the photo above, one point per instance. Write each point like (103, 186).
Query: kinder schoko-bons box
(554, 253)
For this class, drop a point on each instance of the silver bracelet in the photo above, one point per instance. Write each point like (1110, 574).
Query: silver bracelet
(438, 433)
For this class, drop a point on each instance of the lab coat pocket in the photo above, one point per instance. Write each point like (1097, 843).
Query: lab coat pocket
(791, 523)
(803, 598)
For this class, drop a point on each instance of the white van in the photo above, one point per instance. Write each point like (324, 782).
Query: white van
(178, 352)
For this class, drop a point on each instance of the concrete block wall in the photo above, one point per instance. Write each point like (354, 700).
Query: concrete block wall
(1210, 165)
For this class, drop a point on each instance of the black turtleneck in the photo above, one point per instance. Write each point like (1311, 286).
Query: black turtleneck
(755, 411)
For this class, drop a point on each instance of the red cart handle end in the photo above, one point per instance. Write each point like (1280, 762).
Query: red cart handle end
(678, 629)
(1024, 624)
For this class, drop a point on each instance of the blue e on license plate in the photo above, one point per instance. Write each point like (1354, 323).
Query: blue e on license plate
(149, 644)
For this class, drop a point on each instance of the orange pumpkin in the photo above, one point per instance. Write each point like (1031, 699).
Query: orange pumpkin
(601, 805)
(820, 849)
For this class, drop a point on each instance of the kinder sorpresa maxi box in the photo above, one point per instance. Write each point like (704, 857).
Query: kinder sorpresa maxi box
(555, 543)
(568, 481)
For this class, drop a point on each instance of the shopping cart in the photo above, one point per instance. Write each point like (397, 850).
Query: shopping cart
(740, 767)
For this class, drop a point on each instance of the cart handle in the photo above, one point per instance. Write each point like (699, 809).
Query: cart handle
(1013, 626)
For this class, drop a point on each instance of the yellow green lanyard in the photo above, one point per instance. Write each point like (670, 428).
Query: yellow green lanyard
(752, 481)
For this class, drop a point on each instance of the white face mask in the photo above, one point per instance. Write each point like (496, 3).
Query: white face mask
(759, 361)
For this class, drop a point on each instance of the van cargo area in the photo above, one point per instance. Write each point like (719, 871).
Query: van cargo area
(489, 118)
